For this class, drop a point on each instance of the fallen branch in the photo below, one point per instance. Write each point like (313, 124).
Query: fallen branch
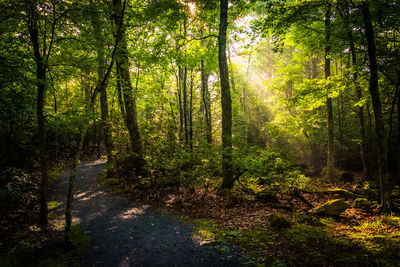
(235, 179)
(297, 194)
(245, 189)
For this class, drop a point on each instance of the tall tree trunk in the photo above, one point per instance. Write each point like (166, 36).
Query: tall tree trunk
(330, 166)
(185, 107)
(360, 108)
(398, 138)
(393, 106)
(41, 76)
(40, 99)
(119, 92)
(105, 123)
(226, 101)
(129, 98)
(191, 112)
(179, 83)
(206, 103)
(369, 127)
(340, 115)
(376, 104)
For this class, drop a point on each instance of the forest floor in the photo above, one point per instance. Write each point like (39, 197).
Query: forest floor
(120, 224)
(123, 233)
(358, 237)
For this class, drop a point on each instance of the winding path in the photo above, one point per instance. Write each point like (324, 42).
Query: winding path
(129, 234)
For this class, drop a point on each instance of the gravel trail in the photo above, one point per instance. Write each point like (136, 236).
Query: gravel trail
(128, 234)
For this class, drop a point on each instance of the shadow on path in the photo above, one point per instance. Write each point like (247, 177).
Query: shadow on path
(129, 234)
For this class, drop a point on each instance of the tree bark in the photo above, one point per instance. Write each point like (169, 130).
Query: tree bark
(398, 137)
(330, 166)
(128, 93)
(185, 107)
(385, 186)
(360, 112)
(206, 103)
(40, 61)
(179, 81)
(226, 101)
(119, 92)
(105, 123)
(191, 112)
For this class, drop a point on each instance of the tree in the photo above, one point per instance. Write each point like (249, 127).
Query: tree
(123, 66)
(105, 123)
(385, 185)
(41, 56)
(226, 101)
(330, 165)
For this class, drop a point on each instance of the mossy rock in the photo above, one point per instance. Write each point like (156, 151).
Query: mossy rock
(332, 208)
(362, 203)
(267, 196)
(310, 220)
(278, 221)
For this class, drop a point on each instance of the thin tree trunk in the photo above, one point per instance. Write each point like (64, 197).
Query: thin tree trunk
(369, 126)
(55, 102)
(376, 104)
(185, 107)
(105, 123)
(330, 166)
(226, 101)
(340, 115)
(398, 138)
(391, 113)
(191, 112)
(70, 194)
(363, 148)
(206, 103)
(119, 92)
(202, 118)
(180, 79)
(40, 99)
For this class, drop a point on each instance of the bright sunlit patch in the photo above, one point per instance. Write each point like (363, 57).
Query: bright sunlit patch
(85, 197)
(192, 7)
(133, 213)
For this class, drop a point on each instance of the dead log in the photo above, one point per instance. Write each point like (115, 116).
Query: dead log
(296, 194)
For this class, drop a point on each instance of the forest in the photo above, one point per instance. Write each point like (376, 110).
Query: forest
(199, 133)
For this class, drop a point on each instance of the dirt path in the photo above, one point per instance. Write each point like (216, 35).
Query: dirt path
(128, 234)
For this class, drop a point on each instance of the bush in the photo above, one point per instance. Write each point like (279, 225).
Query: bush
(17, 188)
(265, 167)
